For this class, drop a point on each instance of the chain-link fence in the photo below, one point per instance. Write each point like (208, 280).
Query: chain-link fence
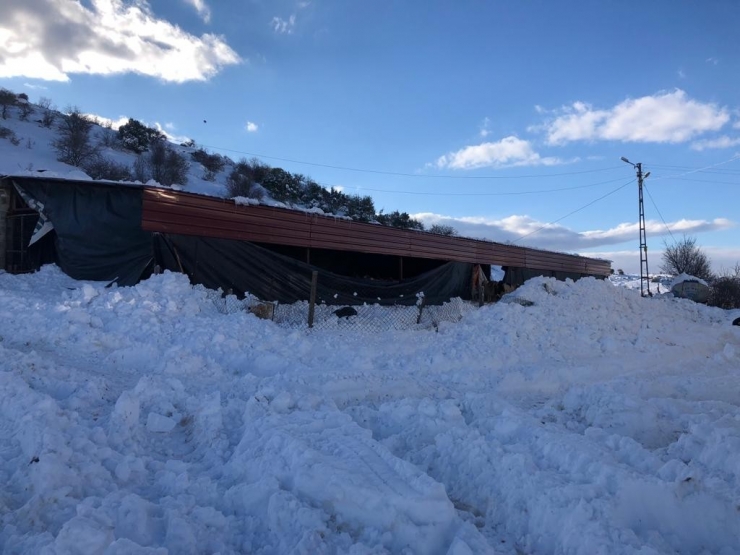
(383, 315)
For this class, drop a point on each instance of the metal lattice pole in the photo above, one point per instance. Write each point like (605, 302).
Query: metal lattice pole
(644, 273)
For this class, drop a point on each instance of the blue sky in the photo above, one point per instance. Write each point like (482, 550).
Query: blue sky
(503, 119)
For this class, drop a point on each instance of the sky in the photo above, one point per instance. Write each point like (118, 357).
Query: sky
(506, 120)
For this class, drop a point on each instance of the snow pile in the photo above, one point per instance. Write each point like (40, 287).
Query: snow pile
(570, 418)
(686, 277)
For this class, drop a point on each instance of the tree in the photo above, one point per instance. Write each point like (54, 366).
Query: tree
(7, 99)
(684, 257)
(137, 137)
(48, 111)
(73, 144)
(441, 229)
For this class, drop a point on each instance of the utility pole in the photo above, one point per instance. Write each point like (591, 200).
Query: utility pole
(644, 273)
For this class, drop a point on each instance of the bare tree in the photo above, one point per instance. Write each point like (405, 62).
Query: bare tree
(7, 99)
(48, 111)
(684, 257)
(73, 143)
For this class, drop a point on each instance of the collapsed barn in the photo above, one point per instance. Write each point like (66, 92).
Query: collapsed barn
(122, 233)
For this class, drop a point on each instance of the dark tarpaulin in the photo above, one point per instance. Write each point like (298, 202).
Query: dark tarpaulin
(98, 228)
(247, 268)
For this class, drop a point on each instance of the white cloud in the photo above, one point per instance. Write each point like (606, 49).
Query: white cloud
(51, 39)
(113, 123)
(560, 238)
(508, 152)
(682, 74)
(662, 118)
(35, 87)
(283, 26)
(251, 127)
(202, 8)
(713, 61)
(167, 130)
(485, 127)
(720, 142)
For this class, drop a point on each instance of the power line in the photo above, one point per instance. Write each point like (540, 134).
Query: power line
(402, 174)
(659, 214)
(507, 193)
(575, 211)
(707, 181)
(736, 157)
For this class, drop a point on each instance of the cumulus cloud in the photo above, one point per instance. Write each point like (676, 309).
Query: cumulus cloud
(670, 117)
(283, 26)
(51, 39)
(720, 142)
(251, 127)
(202, 8)
(508, 152)
(560, 238)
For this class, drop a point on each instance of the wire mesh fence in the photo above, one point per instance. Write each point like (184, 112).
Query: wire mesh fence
(383, 315)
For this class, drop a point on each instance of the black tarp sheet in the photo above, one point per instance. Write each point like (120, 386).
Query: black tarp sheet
(248, 268)
(98, 228)
(98, 237)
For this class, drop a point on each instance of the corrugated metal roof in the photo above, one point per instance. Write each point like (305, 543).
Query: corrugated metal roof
(170, 211)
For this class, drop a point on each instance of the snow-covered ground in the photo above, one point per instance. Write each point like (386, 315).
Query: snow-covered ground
(144, 420)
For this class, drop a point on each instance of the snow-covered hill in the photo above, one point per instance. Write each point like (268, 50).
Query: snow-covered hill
(29, 150)
(143, 420)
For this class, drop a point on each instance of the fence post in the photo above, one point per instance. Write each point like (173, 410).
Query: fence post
(312, 301)
(421, 309)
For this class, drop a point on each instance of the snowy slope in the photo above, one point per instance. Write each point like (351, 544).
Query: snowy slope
(143, 420)
(34, 153)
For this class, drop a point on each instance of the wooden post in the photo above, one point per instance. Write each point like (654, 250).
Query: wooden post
(312, 301)
(400, 267)
(308, 255)
(481, 299)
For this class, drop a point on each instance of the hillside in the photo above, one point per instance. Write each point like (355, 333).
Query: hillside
(30, 133)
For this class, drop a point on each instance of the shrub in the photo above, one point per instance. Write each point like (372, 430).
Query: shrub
(441, 229)
(6, 132)
(725, 290)
(105, 168)
(140, 170)
(73, 144)
(240, 181)
(213, 163)
(165, 165)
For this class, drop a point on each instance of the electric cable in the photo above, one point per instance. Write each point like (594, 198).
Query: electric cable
(402, 174)
(575, 211)
(658, 211)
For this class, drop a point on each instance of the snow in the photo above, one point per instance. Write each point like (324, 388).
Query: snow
(147, 420)
(686, 277)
